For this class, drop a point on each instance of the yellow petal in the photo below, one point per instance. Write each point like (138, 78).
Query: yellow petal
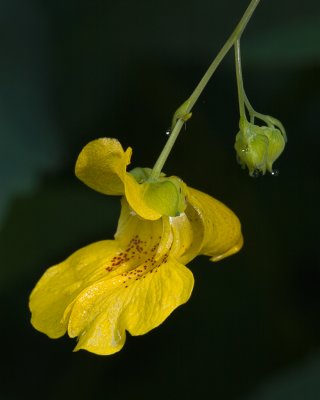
(152, 200)
(60, 284)
(102, 165)
(221, 229)
(192, 247)
(135, 194)
(102, 313)
(183, 238)
(142, 239)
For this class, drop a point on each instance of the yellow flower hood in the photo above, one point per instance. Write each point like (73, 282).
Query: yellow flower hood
(102, 166)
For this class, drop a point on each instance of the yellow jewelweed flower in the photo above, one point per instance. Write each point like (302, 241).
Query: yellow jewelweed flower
(134, 282)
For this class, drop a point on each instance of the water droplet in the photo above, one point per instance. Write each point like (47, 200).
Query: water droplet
(256, 173)
(275, 172)
(168, 131)
(245, 149)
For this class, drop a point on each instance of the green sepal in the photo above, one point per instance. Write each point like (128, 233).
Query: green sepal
(166, 195)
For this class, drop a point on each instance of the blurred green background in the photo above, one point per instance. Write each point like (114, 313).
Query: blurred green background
(72, 71)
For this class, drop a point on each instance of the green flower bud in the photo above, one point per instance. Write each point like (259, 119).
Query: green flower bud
(276, 145)
(258, 147)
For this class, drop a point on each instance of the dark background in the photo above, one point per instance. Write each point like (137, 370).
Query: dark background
(72, 71)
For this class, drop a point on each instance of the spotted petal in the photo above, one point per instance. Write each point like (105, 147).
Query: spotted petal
(103, 312)
(130, 284)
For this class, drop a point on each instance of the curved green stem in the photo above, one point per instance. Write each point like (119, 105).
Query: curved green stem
(222, 53)
(184, 111)
(241, 93)
(270, 121)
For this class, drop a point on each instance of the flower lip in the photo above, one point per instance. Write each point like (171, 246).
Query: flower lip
(130, 284)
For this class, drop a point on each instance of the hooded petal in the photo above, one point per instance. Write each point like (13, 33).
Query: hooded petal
(103, 312)
(135, 194)
(218, 228)
(102, 165)
(60, 284)
(154, 199)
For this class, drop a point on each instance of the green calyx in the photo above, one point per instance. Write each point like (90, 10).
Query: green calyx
(166, 195)
(258, 147)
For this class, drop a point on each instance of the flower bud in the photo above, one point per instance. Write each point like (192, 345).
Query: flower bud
(258, 147)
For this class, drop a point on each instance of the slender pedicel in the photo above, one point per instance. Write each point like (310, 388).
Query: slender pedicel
(183, 113)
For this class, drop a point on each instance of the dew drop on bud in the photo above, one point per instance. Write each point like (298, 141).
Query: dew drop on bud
(256, 173)
(275, 172)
